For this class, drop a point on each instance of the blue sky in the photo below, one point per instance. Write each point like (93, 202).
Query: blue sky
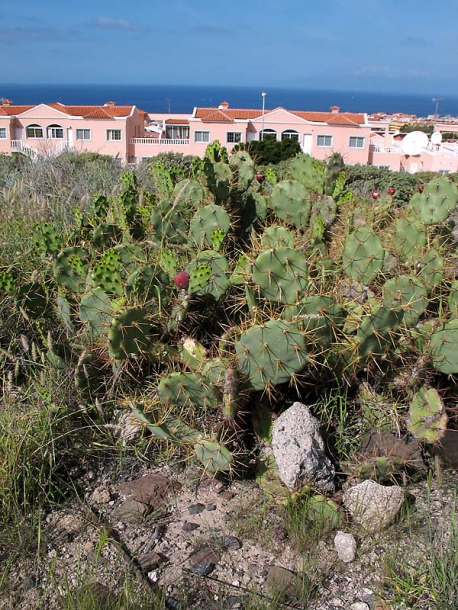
(399, 46)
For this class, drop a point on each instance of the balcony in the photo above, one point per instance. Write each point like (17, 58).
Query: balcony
(159, 142)
(393, 150)
(42, 148)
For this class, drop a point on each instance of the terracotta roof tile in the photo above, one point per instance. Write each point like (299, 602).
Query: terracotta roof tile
(13, 110)
(177, 122)
(230, 114)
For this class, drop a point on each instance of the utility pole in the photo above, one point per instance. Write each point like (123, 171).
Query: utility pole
(263, 112)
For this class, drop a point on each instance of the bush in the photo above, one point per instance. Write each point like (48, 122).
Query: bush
(270, 151)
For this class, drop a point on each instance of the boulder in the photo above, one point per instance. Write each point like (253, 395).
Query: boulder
(345, 545)
(299, 450)
(373, 506)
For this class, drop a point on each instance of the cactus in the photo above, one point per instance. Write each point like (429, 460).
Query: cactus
(409, 238)
(334, 177)
(363, 256)
(407, 293)
(7, 283)
(436, 202)
(431, 267)
(129, 333)
(453, 299)
(209, 225)
(96, 311)
(270, 354)
(32, 299)
(107, 273)
(242, 271)
(189, 390)
(208, 274)
(290, 201)
(282, 274)
(45, 238)
(308, 171)
(444, 348)
(214, 456)
(427, 418)
(106, 235)
(376, 332)
(317, 317)
(70, 270)
(276, 235)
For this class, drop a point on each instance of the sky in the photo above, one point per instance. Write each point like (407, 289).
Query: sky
(395, 46)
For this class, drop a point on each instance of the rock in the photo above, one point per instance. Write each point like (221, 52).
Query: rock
(227, 495)
(345, 545)
(100, 495)
(154, 490)
(150, 561)
(230, 543)
(280, 579)
(130, 510)
(299, 450)
(188, 526)
(211, 507)
(359, 606)
(373, 506)
(128, 428)
(195, 509)
(205, 554)
(203, 569)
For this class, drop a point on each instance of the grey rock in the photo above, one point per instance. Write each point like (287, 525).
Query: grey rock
(211, 507)
(373, 506)
(203, 569)
(195, 509)
(280, 579)
(188, 526)
(345, 545)
(359, 606)
(231, 543)
(299, 450)
(130, 510)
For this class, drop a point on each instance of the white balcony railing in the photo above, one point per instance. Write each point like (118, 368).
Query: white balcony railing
(18, 146)
(44, 147)
(393, 150)
(435, 151)
(159, 142)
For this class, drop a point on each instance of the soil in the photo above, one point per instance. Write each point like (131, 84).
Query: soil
(206, 543)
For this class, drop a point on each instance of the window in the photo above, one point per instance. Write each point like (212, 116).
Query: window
(202, 136)
(34, 131)
(233, 137)
(83, 134)
(113, 134)
(270, 134)
(55, 132)
(176, 132)
(356, 142)
(444, 172)
(324, 141)
(290, 134)
(2, 133)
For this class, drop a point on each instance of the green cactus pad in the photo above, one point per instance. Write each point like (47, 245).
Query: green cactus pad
(32, 299)
(317, 317)
(96, 311)
(7, 283)
(453, 300)
(189, 390)
(167, 261)
(209, 225)
(270, 354)
(130, 256)
(129, 333)
(431, 267)
(188, 194)
(107, 273)
(242, 271)
(214, 456)
(282, 274)
(363, 256)
(290, 201)
(275, 236)
(407, 293)
(376, 333)
(170, 429)
(436, 202)
(45, 238)
(106, 235)
(444, 348)
(65, 313)
(409, 238)
(427, 418)
(308, 171)
(201, 281)
(70, 268)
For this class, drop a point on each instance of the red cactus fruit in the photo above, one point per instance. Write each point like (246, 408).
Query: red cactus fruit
(181, 280)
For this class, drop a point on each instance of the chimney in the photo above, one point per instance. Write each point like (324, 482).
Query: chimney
(110, 104)
(223, 106)
(6, 102)
(335, 109)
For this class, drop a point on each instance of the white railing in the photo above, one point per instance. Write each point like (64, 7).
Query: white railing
(20, 147)
(394, 150)
(159, 141)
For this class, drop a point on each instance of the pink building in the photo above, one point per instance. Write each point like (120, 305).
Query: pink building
(131, 134)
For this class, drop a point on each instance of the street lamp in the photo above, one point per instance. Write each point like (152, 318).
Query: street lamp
(263, 111)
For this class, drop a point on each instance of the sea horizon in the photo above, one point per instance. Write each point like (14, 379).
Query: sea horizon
(183, 98)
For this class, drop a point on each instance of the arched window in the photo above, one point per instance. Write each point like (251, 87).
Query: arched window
(34, 131)
(270, 134)
(55, 132)
(290, 134)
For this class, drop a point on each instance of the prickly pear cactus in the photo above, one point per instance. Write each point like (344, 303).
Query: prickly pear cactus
(129, 333)
(70, 268)
(407, 293)
(189, 390)
(209, 226)
(436, 202)
(270, 354)
(444, 348)
(427, 418)
(363, 256)
(282, 274)
(290, 201)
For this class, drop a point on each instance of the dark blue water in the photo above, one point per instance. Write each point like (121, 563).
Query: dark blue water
(180, 98)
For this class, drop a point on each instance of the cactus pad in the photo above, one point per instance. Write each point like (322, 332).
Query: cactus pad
(129, 333)
(363, 256)
(282, 274)
(444, 348)
(427, 418)
(407, 293)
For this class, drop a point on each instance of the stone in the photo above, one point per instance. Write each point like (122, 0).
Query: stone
(188, 526)
(130, 510)
(359, 606)
(211, 507)
(101, 495)
(154, 490)
(195, 509)
(299, 450)
(231, 543)
(345, 545)
(373, 506)
(150, 561)
(280, 579)
(203, 569)
(205, 554)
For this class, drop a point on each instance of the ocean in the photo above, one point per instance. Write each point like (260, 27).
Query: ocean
(183, 98)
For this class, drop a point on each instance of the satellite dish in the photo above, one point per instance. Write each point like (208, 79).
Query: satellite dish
(414, 142)
(436, 137)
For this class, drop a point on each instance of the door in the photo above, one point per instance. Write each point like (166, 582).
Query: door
(307, 145)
